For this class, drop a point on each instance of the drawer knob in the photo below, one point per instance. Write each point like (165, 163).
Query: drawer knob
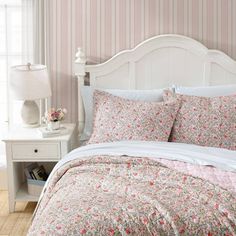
(35, 150)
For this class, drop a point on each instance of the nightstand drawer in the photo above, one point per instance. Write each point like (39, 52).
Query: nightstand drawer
(49, 151)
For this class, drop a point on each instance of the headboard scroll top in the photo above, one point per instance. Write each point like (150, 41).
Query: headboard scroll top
(158, 62)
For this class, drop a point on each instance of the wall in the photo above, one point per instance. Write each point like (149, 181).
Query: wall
(104, 27)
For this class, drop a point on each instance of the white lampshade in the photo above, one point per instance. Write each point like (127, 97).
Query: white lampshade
(30, 82)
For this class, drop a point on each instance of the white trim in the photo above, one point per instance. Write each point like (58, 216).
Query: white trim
(158, 42)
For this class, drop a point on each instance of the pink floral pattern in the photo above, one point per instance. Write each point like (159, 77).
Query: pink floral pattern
(118, 119)
(120, 195)
(205, 121)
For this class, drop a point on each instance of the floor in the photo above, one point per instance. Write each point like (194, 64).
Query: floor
(17, 223)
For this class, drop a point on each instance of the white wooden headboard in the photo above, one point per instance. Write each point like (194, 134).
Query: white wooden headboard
(158, 62)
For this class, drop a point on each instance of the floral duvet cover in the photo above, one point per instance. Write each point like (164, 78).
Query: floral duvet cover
(122, 195)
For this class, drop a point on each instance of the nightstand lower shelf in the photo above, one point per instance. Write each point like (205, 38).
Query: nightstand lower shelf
(22, 195)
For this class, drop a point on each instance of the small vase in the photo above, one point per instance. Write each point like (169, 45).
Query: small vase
(53, 125)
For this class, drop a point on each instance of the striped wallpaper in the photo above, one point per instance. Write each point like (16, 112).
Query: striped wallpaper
(104, 27)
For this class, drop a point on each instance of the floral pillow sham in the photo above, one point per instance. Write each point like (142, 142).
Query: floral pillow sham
(205, 121)
(117, 119)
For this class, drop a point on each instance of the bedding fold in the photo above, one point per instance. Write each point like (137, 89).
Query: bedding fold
(220, 158)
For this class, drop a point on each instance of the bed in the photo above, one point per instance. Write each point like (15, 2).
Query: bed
(143, 184)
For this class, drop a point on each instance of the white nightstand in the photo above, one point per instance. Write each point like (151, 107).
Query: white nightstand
(26, 145)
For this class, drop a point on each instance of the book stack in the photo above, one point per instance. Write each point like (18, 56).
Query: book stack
(36, 172)
(45, 132)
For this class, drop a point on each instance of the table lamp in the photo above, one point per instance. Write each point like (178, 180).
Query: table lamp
(29, 83)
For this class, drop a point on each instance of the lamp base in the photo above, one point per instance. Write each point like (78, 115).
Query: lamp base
(30, 114)
(31, 126)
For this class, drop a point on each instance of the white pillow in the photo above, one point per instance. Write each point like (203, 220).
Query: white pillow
(210, 91)
(137, 95)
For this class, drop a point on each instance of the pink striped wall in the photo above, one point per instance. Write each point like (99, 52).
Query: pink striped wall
(104, 27)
